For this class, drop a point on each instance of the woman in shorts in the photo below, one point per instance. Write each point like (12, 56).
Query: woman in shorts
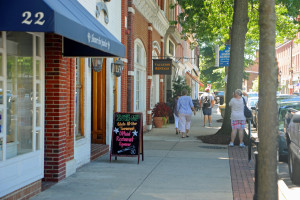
(238, 119)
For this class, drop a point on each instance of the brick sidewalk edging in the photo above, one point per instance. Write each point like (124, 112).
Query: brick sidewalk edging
(242, 173)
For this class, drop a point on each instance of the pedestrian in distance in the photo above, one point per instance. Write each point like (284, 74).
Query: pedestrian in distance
(238, 119)
(207, 103)
(185, 108)
(175, 113)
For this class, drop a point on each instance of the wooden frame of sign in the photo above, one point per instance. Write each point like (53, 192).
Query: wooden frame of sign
(127, 135)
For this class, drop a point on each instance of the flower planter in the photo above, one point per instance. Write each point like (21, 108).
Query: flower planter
(165, 120)
(158, 122)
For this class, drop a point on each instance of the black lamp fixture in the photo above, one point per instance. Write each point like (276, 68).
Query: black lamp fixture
(97, 64)
(117, 67)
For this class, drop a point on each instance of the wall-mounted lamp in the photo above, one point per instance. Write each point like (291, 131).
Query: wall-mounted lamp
(117, 67)
(97, 64)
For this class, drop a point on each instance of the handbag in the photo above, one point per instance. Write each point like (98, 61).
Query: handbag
(247, 111)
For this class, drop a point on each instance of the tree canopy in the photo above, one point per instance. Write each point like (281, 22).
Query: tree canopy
(211, 20)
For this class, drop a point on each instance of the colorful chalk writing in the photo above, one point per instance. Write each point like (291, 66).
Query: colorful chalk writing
(127, 129)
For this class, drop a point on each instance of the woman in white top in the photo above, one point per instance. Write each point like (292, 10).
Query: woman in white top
(238, 119)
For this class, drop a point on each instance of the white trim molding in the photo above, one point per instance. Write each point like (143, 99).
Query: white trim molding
(154, 15)
(161, 80)
(131, 10)
(155, 45)
(130, 73)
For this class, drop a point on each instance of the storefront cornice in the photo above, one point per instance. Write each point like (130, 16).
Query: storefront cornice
(173, 31)
(153, 14)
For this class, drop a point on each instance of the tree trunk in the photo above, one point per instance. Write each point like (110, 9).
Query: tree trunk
(267, 106)
(236, 62)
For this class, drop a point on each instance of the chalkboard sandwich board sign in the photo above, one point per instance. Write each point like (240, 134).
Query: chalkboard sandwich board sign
(127, 135)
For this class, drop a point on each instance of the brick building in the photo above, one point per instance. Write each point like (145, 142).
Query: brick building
(58, 84)
(288, 58)
(55, 104)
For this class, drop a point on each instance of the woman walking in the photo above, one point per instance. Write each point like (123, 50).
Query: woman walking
(185, 108)
(238, 119)
(175, 113)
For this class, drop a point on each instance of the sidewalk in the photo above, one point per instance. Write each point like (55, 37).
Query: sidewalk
(174, 168)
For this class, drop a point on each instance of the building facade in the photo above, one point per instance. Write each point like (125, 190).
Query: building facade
(60, 84)
(52, 93)
(288, 59)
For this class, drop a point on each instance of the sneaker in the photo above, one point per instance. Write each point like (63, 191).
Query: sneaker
(210, 124)
(242, 145)
(231, 144)
(204, 125)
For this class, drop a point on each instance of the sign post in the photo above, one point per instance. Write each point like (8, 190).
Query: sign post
(127, 136)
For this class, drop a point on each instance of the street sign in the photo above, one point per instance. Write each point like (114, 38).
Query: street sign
(224, 57)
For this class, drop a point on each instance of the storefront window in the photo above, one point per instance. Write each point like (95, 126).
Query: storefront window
(1, 40)
(38, 66)
(78, 100)
(138, 90)
(1, 149)
(19, 93)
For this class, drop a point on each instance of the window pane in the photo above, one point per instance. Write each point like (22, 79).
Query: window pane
(78, 92)
(20, 89)
(37, 97)
(38, 142)
(1, 149)
(1, 40)
(38, 117)
(38, 65)
(1, 64)
(1, 92)
(38, 49)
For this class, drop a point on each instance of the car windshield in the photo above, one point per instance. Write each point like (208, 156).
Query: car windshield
(287, 98)
(283, 109)
(219, 93)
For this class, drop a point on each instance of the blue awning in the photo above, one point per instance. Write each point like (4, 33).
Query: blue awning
(83, 34)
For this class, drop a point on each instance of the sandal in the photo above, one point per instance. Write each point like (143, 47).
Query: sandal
(183, 136)
(187, 135)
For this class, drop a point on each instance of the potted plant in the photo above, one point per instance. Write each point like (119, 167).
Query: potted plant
(160, 114)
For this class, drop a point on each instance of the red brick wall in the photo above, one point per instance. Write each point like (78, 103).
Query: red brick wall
(149, 73)
(59, 109)
(130, 56)
(124, 77)
(252, 76)
(25, 192)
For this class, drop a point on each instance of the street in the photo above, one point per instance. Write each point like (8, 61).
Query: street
(287, 190)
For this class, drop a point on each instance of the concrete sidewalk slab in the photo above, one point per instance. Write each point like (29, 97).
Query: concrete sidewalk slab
(174, 168)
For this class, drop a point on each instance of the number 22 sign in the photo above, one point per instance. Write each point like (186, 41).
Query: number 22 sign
(38, 18)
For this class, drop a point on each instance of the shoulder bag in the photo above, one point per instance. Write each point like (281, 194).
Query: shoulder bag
(247, 112)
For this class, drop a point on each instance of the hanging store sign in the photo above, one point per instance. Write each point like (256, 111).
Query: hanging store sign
(162, 66)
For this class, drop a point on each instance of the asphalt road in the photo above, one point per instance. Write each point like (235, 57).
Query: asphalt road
(287, 190)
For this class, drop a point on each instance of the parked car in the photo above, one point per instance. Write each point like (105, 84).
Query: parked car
(219, 97)
(293, 138)
(280, 99)
(284, 111)
(251, 103)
